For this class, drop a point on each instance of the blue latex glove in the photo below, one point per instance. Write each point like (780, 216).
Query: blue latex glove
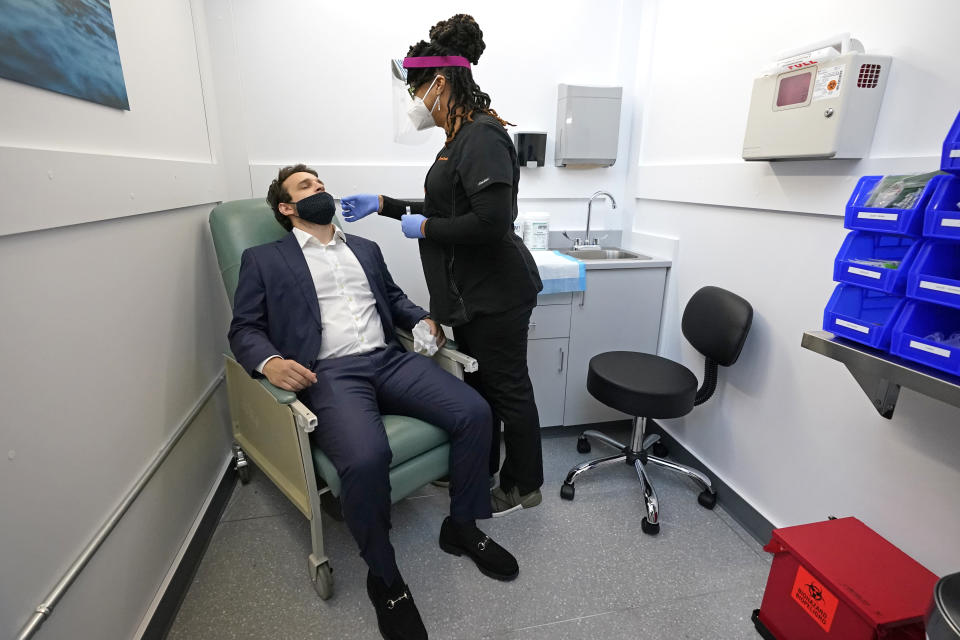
(359, 205)
(410, 225)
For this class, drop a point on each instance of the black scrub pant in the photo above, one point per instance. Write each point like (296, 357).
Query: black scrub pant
(348, 398)
(499, 343)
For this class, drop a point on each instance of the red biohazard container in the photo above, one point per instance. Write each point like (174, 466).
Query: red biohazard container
(840, 580)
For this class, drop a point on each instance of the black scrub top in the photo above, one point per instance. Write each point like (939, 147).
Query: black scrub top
(475, 266)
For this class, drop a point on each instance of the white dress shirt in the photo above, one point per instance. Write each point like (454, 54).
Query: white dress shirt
(348, 310)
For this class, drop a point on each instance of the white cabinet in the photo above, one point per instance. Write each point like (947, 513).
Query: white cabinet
(547, 362)
(619, 311)
(547, 356)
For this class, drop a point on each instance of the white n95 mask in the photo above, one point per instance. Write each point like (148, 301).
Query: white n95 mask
(419, 114)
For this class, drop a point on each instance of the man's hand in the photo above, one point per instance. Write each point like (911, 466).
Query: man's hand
(437, 332)
(288, 374)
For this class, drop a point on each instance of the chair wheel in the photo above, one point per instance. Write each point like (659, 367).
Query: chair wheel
(650, 528)
(660, 450)
(567, 491)
(707, 499)
(323, 585)
(583, 445)
(240, 464)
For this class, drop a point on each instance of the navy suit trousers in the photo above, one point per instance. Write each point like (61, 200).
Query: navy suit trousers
(348, 398)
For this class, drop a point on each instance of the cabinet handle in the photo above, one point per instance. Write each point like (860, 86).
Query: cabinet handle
(561, 361)
(583, 297)
(533, 326)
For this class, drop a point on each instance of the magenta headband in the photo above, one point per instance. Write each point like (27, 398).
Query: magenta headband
(429, 62)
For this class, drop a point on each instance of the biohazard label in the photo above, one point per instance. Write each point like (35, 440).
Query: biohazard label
(810, 594)
(828, 83)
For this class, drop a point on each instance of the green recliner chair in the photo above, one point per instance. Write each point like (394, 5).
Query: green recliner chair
(272, 427)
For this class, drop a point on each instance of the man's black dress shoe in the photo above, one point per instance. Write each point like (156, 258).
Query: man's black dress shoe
(397, 615)
(492, 559)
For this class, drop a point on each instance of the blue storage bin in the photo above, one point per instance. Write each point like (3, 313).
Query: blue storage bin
(899, 221)
(950, 161)
(912, 331)
(863, 315)
(942, 217)
(862, 245)
(935, 275)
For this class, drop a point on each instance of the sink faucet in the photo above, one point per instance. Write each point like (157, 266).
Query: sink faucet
(598, 194)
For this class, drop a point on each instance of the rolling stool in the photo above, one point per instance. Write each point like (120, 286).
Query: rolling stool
(943, 623)
(716, 323)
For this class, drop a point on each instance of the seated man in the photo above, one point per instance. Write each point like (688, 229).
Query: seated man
(315, 312)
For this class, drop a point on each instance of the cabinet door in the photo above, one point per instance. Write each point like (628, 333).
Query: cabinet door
(619, 311)
(547, 363)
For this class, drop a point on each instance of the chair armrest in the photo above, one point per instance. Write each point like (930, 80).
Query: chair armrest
(282, 395)
(447, 352)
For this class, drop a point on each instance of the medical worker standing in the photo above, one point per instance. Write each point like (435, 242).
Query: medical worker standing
(482, 279)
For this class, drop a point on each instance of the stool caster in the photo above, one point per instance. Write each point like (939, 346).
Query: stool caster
(707, 499)
(583, 445)
(650, 528)
(567, 491)
(660, 450)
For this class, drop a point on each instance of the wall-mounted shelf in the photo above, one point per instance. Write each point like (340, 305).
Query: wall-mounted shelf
(881, 375)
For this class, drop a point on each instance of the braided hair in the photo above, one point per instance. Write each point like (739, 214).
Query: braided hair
(458, 36)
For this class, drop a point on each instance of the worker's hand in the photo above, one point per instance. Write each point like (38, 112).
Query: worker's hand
(412, 225)
(288, 374)
(437, 331)
(360, 205)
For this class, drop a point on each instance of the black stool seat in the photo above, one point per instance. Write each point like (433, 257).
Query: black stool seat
(944, 619)
(641, 384)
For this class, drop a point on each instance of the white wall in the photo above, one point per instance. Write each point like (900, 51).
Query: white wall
(114, 318)
(791, 430)
(316, 89)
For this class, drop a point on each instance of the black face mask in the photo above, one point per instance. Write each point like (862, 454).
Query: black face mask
(318, 208)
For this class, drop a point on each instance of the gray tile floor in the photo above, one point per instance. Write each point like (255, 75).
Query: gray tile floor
(586, 570)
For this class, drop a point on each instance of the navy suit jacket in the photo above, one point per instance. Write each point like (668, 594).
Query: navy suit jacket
(275, 308)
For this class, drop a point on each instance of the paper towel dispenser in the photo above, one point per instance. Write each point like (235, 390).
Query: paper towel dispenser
(818, 101)
(588, 125)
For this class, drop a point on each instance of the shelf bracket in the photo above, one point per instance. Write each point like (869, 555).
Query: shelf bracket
(881, 374)
(882, 392)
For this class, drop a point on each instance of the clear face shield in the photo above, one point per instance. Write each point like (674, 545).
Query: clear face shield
(404, 130)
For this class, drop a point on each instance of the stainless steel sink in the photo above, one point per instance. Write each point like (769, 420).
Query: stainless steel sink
(603, 253)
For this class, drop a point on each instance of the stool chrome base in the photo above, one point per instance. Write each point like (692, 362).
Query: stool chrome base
(636, 453)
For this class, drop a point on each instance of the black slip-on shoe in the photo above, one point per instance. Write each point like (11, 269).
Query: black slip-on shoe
(397, 614)
(492, 559)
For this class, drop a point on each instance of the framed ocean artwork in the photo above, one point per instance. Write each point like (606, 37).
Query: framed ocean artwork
(67, 46)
